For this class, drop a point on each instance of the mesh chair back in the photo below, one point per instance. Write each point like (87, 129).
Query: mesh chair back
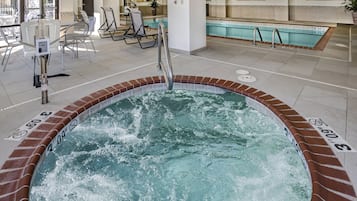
(76, 32)
(137, 22)
(109, 19)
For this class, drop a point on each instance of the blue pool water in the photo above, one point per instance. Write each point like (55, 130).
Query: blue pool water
(178, 145)
(304, 36)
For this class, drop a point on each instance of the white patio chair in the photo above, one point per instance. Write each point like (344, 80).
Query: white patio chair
(74, 35)
(29, 32)
(10, 42)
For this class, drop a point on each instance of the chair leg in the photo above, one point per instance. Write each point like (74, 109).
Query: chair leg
(140, 44)
(49, 59)
(91, 41)
(3, 59)
(34, 65)
(8, 50)
(62, 62)
(77, 52)
(85, 44)
(6, 54)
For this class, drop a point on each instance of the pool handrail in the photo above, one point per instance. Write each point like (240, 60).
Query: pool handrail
(275, 30)
(255, 30)
(162, 39)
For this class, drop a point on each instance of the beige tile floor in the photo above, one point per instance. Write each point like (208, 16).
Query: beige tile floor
(315, 83)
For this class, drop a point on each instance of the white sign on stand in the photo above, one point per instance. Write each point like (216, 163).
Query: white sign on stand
(42, 46)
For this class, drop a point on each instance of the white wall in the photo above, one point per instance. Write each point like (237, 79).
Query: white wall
(323, 3)
(98, 14)
(77, 4)
(187, 25)
(66, 5)
(319, 11)
(257, 2)
(283, 10)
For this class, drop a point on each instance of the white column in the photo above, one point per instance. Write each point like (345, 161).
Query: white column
(187, 25)
(98, 14)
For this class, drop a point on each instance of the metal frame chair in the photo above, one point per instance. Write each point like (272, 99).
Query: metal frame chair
(10, 44)
(109, 27)
(137, 31)
(74, 35)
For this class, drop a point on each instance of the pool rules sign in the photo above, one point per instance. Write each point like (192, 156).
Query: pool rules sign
(332, 138)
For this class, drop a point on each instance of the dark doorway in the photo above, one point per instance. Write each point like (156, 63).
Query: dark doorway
(88, 6)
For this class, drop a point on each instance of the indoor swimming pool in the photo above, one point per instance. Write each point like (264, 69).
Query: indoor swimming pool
(295, 35)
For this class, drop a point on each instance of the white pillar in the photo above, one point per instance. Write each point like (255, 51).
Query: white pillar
(187, 25)
(98, 14)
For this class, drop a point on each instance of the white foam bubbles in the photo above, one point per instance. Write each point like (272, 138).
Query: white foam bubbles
(193, 147)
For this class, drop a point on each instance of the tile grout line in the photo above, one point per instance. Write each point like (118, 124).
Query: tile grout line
(299, 95)
(281, 74)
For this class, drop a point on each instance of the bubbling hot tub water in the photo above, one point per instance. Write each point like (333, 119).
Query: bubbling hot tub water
(177, 145)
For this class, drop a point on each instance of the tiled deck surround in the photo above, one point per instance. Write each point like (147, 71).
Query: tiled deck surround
(330, 182)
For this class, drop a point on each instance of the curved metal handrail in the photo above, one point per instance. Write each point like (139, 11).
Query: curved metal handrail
(255, 30)
(273, 37)
(162, 39)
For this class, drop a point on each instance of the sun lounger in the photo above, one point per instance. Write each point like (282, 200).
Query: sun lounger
(138, 32)
(109, 27)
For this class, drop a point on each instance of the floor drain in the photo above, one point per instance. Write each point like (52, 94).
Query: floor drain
(247, 78)
(242, 72)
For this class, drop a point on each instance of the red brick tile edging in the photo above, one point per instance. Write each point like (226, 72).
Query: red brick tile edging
(330, 182)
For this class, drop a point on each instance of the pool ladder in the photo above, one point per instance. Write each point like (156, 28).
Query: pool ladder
(255, 30)
(275, 32)
(167, 69)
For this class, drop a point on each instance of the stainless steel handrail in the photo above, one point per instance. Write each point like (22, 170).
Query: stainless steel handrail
(273, 37)
(162, 39)
(255, 30)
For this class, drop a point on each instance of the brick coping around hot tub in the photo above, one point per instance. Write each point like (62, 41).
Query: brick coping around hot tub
(330, 181)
